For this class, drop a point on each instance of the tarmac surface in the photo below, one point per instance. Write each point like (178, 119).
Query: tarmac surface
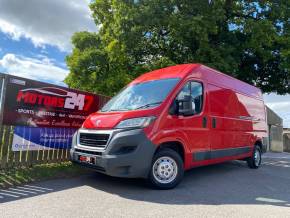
(225, 190)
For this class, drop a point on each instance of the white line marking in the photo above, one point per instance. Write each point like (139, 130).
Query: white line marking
(22, 190)
(14, 192)
(31, 189)
(10, 195)
(270, 200)
(32, 186)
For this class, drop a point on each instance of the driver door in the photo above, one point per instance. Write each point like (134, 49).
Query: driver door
(193, 127)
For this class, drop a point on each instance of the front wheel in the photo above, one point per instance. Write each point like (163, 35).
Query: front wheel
(166, 169)
(255, 160)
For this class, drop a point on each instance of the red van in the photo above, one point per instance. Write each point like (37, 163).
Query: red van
(170, 120)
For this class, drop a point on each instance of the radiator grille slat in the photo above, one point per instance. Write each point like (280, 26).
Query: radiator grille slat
(94, 139)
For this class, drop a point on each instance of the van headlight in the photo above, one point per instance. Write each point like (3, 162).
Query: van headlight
(140, 122)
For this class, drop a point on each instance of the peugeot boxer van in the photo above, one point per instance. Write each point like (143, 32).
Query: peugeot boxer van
(173, 119)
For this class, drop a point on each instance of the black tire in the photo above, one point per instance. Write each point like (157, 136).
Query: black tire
(252, 161)
(166, 152)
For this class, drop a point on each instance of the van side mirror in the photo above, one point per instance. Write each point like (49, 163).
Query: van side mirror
(185, 106)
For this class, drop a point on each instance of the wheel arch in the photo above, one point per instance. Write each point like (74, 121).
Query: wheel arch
(259, 143)
(174, 145)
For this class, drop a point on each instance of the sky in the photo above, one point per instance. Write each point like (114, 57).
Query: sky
(35, 37)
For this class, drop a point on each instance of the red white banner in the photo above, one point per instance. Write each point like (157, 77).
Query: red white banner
(32, 103)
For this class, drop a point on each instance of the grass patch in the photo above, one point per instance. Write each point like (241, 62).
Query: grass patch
(40, 172)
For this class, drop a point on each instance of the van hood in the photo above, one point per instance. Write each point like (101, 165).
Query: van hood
(109, 120)
(103, 121)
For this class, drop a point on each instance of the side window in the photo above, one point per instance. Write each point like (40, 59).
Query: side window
(195, 91)
(197, 96)
(184, 92)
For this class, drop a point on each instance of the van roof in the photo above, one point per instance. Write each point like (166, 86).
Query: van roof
(202, 72)
(177, 71)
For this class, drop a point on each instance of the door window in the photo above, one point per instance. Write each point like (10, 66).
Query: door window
(195, 91)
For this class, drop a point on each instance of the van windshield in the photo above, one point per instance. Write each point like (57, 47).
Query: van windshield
(141, 95)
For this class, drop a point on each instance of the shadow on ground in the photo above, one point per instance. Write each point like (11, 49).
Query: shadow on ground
(228, 183)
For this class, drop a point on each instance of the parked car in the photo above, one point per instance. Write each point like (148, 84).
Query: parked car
(173, 119)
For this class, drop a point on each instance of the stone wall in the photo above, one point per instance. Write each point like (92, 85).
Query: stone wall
(286, 142)
(275, 124)
(276, 138)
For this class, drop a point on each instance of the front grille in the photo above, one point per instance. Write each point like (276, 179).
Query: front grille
(95, 140)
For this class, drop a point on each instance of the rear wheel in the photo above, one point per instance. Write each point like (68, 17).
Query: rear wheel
(166, 169)
(255, 160)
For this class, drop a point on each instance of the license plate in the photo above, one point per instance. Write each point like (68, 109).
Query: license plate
(87, 159)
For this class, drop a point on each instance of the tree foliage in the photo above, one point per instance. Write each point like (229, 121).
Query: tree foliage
(249, 40)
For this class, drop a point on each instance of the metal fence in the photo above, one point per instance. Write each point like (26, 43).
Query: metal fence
(26, 158)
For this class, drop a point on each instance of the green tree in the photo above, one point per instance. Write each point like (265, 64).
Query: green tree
(245, 39)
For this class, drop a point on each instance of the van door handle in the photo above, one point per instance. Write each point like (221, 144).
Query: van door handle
(213, 122)
(204, 122)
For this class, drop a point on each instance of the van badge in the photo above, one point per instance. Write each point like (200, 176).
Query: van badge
(98, 122)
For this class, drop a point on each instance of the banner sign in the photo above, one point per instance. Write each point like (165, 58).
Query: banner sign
(41, 138)
(38, 104)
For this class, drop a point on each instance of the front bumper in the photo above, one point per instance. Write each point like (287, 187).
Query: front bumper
(128, 154)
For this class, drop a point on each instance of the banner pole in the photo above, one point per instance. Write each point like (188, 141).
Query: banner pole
(3, 78)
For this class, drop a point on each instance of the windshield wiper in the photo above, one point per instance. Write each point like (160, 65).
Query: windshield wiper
(148, 105)
(122, 109)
